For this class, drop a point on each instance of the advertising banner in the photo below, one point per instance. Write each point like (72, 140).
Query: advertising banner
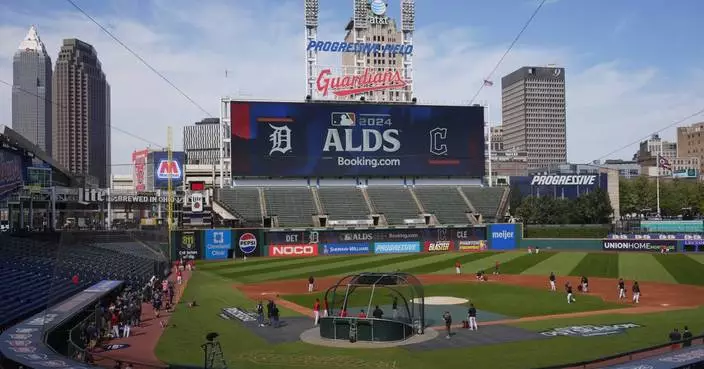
(686, 358)
(139, 163)
(346, 248)
(337, 139)
(396, 247)
(293, 250)
(673, 226)
(163, 168)
(472, 246)
(11, 172)
(503, 236)
(687, 239)
(249, 242)
(24, 343)
(188, 245)
(590, 330)
(217, 243)
(559, 185)
(435, 246)
(639, 245)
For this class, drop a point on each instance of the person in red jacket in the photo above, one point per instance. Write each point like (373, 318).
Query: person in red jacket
(458, 267)
(326, 308)
(316, 311)
(343, 313)
(361, 314)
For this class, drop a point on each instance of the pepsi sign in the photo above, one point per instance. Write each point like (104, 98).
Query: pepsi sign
(247, 242)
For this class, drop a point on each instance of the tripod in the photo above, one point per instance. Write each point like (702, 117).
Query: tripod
(212, 352)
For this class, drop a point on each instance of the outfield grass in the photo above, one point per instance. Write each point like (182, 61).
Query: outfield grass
(598, 265)
(181, 341)
(642, 267)
(683, 268)
(560, 264)
(449, 264)
(697, 257)
(521, 263)
(501, 299)
(486, 263)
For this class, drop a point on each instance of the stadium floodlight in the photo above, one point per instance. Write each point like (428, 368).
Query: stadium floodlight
(408, 15)
(312, 12)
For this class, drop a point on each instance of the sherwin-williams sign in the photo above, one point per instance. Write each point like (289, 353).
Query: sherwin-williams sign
(503, 236)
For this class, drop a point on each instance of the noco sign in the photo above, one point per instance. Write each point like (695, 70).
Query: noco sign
(293, 250)
(337, 139)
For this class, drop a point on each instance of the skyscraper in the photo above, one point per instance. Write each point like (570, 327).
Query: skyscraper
(31, 91)
(534, 114)
(81, 95)
(201, 142)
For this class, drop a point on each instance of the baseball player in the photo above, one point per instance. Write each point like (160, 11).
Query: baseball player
(552, 282)
(316, 312)
(472, 314)
(585, 284)
(311, 284)
(458, 267)
(621, 289)
(636, 292)
(448, 323)
(570, 296)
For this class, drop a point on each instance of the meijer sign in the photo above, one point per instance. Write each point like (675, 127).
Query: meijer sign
(568, 180)
(293, 250)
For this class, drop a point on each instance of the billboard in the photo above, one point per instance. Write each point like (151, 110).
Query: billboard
(438, 246)
(559, 185)
(162, 168)
(188, 245)
(639, 245)
(293, 250)
(11, 171)
(248, 242)
(218, 243)
(355, 248)
(503, 236)
(360, 237)
(396, 247)
(337, 139)
(139, 163)
(472, 246)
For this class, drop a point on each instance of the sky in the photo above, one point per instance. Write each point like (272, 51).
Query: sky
(633, 67)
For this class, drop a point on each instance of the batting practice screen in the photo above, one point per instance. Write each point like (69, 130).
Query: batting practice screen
(330, 139)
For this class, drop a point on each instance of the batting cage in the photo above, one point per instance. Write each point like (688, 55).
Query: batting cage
(377, 302)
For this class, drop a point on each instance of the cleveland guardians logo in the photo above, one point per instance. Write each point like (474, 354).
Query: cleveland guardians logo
(248, 243)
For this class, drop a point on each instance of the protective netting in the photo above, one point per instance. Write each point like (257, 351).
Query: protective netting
(396, 296)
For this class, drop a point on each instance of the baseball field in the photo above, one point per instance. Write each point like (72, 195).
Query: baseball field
(517, 311)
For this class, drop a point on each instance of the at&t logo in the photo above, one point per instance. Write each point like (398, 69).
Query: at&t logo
(248, 243)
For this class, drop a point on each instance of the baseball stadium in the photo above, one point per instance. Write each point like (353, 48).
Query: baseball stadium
(349, 233)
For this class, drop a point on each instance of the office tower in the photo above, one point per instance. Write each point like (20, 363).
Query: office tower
(31, 91)
(534, 114)
(201, 142)
(81, 140)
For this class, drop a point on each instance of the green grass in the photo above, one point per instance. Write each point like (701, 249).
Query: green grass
(521, 263)
(486, 263)
(683, 268)
(560, 264)
(181, 341)
(697, 257)
(598, 265)
(239, 270)
(497, 298)
(367, 264)
(643, 267)
(448, 264)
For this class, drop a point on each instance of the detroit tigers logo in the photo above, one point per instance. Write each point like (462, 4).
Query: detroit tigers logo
(280, 139)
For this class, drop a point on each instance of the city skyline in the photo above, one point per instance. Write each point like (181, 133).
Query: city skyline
(616, 83)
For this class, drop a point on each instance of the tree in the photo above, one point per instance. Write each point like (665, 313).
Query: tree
(591, 208)
(641, 193)
(515, 199)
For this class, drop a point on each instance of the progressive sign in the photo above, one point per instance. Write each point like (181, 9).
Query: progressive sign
(338, 139)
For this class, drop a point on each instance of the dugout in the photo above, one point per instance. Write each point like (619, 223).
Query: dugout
(363, 292)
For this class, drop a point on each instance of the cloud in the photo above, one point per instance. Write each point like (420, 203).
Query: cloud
(262, 48)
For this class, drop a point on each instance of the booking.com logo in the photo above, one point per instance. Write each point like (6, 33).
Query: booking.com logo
(361, 161)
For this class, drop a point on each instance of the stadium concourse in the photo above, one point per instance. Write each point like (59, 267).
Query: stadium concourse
(301, 205)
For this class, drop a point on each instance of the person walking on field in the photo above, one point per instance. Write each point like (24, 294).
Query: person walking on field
(636, 292)
(448, 323)
(458, 267)
(552, 282)
(472, 313)
(585, 284)
(316, 311)
(621, 289)
(311, 283)
(570, 296)
(496, 268)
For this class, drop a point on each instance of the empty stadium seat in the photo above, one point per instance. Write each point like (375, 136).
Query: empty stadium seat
(293, 206)
(243, 201)
(486, 200)
(396, 203)
(343, 203)
(445, 202)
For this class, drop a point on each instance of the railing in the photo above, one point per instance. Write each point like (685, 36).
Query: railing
(352, 327)
(625, 356)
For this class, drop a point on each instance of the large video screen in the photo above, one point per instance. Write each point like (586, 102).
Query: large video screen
(329, 139)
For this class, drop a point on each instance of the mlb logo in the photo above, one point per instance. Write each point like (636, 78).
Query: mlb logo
(344, 119)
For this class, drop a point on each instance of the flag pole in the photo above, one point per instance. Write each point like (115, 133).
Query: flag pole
(488, 126)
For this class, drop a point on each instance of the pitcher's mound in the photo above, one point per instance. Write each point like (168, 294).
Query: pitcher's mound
(442, 300)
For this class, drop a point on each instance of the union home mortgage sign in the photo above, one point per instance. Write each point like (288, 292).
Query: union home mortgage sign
(96, 195)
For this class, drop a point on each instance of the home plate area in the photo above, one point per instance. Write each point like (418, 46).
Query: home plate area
(291, 328)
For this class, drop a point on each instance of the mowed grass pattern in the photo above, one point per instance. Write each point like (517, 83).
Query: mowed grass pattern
(597, 265)
(683, 268)
(521, 263)
(642, 267)
(562, 263)
(697, 257)
(449, 265)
